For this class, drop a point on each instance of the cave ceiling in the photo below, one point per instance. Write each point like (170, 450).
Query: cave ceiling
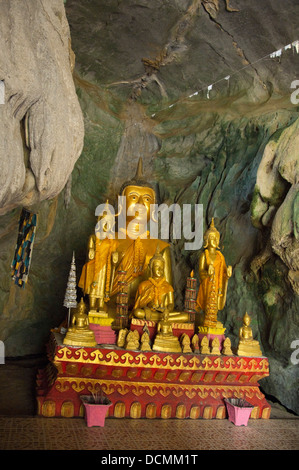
(161, 51)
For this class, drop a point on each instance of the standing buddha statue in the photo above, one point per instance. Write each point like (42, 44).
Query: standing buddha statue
(96, 277)
(214, 275)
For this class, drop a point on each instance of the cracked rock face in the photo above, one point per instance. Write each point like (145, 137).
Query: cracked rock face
(41, 130)
(276, 198)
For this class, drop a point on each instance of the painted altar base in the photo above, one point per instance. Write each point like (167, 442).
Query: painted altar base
(148, 384)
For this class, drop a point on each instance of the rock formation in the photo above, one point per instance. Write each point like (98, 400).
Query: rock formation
(41, 130)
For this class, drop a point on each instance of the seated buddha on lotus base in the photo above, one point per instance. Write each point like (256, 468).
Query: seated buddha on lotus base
(165, 341)
(247, 345)
(79, 333)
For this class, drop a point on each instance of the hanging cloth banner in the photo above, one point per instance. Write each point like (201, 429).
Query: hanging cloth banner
(208, 92)
(23, 251)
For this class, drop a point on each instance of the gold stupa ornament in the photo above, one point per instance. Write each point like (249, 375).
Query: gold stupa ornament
(214, 275)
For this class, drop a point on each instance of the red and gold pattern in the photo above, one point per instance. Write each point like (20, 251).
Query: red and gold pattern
(149, 384)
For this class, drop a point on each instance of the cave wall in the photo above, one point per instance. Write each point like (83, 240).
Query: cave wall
(235, 153)
(41, 125)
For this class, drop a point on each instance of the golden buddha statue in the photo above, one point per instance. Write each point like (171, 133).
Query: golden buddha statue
(214, 277)
(145, 342)
(185, 343)
(155, 295)
(165, 341)
(132, 340)
(195, 344)
(96, 277)
(247, 345)
(128, 253)
(204, 346)
(226, 347)
(79, 333)
(215, 346)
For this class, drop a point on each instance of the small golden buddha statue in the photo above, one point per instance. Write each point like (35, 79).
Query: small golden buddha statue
(195, 343)
(215, 349)
(247, 345)
(185, 344)
(214, 277)
(155, 295)
(145, 342)
(204, 346)
(132, 340)
(79, 333)
(165, 339)
(226, 347)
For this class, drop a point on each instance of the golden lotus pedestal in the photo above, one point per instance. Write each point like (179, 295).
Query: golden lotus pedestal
(148, 384)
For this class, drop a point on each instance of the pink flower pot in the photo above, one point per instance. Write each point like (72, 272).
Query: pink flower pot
(95, 413)
(239, 411)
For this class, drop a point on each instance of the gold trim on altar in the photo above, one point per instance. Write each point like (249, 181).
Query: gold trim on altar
(152, 389)
(190, 362)
(208, 330)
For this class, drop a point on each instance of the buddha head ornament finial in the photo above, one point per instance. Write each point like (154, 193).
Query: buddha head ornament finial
(138, 179)
(157, 258)
(211, 230)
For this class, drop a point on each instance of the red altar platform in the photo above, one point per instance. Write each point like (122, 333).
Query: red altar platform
(148, 384)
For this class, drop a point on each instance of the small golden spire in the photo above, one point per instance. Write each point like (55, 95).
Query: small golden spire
(139, 171)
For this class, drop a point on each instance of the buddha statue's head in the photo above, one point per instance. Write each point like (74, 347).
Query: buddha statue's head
(81, 308)
(157, 265)
(211, 236)
(165, 315)
(246, 319)
(139, 195)
(105, 223)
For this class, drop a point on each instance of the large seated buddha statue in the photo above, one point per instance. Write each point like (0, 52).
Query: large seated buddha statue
(127, 253)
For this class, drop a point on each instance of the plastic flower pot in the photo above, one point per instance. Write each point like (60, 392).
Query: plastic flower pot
(95, 410)
(238, 410)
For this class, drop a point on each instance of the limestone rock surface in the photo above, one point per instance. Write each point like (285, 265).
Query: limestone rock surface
(41, 125)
